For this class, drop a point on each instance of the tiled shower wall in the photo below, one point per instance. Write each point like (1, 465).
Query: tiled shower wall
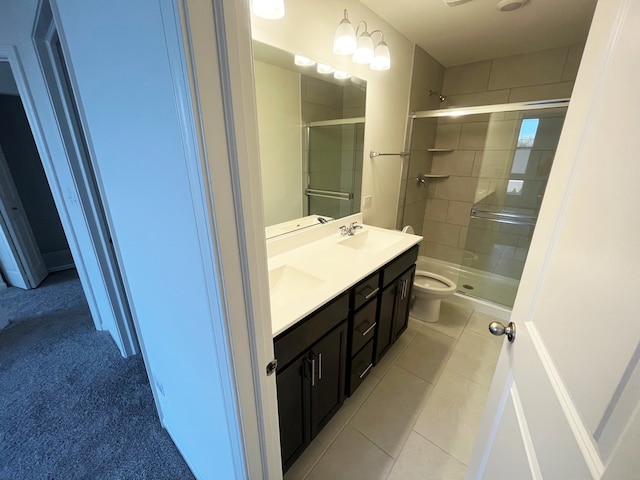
(441, 210)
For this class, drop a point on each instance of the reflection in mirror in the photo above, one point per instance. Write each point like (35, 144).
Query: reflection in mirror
(311, 134)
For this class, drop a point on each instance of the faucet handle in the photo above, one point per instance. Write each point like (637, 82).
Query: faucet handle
(344, 230)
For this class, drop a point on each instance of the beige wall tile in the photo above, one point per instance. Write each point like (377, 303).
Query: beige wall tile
(415, 193)
(548, 133)
(448, 136)
(546, 161)
(427, 75)
(442, 233)
(509, 268)
(458, 213)
(541, 92)
(414, 213)
(456, 188)
(459, 163)
(473, 136)
(419, 162)
(423, 133)
(502, 135)
(572, 64)
(436, 210)
(482, 98)
(469, 78)
(529, 69)
(442, 252)
(493, 163)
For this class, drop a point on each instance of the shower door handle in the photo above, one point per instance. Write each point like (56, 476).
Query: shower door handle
(497, 329)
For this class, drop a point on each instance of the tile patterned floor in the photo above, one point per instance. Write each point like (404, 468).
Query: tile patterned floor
(416, 415)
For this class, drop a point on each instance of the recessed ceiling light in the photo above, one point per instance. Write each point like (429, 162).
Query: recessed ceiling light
(510, 5)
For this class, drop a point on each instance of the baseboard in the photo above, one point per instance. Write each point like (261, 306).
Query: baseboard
(58, 260)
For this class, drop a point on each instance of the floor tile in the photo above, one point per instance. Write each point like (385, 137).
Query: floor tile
(479, 323)
(352, 456)
(388, 415)
(422, 460)
(397, 348)
(305, 462)
(475, 356)
(329, 433)
(452, 414)
(427, 354)
(453, 318)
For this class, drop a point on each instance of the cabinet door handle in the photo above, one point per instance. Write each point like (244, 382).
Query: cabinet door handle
(319, 366)
(366, 332)
(404, 288)
(313, 372)
(371, 294)
(366, 370)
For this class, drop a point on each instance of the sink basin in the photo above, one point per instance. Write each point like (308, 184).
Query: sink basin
(370, 241)
(287, 283)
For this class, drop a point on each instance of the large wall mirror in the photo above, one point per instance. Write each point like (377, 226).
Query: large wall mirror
(311, 133)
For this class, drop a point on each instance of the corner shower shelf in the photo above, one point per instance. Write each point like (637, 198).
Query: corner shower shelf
(440, 150)
(431, 175)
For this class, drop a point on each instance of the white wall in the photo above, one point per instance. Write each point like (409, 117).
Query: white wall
(278, 102)
(308, 28)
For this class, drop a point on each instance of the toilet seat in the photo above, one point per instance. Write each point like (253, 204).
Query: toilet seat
(433, 282)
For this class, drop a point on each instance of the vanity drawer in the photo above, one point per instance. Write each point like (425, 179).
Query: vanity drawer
(361, 365)
(365, 290)
(294, 341)
(363, 325)
(395, 268)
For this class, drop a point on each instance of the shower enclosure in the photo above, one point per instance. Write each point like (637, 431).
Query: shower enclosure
(334, 150)
(474, 185)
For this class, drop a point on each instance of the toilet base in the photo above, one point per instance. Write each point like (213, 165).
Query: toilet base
(426, 310)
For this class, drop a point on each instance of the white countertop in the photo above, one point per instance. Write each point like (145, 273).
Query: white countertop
(308, 271)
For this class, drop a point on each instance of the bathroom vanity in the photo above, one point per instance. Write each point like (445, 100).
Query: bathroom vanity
(338, 304)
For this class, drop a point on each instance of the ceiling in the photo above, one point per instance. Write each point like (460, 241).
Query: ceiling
(477, 30)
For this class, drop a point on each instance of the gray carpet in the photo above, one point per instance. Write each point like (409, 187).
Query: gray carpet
(70, 405)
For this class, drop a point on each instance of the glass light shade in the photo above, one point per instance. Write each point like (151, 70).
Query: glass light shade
(268, 9)
(364, 50)
(381, 58)
(303, 61)
(344, 41)
(340, 75)
(322, 68)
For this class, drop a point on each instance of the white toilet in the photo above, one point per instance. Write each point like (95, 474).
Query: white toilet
(428, 291)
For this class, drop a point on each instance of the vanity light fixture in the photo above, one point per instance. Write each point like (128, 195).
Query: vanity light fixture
(322, 68)
(340, 75)
(360, 46)
(268, 9)
(345, 41)
(303, 61)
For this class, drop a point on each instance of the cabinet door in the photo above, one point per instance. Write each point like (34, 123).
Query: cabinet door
(385, 321)
(327, 391)
(293, 409)
(403, 301)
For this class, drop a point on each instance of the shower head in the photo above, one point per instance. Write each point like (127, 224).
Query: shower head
(442, 98)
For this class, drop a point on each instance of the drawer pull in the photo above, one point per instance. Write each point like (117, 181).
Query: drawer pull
(371, 294)
(366, 370)
(319, 366)
(366, 332)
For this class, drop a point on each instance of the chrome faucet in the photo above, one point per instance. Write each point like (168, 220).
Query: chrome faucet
(350, 230)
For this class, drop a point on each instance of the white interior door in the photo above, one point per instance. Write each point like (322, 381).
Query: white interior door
(20, 255)
(564, 402)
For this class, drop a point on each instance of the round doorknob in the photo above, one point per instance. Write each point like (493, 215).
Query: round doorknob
(497, 329)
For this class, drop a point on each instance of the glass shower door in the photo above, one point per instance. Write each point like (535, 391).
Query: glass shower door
(512, 172)
(334, 170)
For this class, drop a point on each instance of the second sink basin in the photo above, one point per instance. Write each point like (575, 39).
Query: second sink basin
(371, 241)
(286, 283)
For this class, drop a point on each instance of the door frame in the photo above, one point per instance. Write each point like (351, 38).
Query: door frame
(124, 337)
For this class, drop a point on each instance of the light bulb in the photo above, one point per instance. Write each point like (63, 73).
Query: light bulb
(381, 58)
(344, 41)
(268, 9)
(340, 75)
(303, 61)
(364, 50)
(322, 68)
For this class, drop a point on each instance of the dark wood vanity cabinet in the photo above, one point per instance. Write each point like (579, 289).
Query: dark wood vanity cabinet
(311, 376)
(330, 353)
(396, 282)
